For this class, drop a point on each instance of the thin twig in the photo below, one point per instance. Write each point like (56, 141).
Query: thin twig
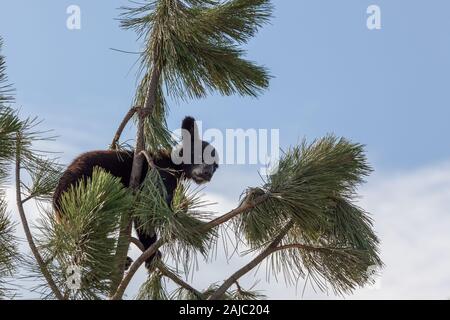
(27, 230)
(122, 126)
(238, 287)
(27, 199)
(252, 264)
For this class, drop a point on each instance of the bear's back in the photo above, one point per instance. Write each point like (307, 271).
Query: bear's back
(117, 163)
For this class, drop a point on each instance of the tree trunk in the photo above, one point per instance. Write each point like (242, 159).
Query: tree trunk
(136, 173)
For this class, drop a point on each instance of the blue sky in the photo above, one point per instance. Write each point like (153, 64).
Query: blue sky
(385, 88)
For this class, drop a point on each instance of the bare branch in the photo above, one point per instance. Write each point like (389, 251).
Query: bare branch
(245, 206)
(252, 264)
(137, 243)
(27, 199)
(134, 267)
(29, 236)
(122, 126)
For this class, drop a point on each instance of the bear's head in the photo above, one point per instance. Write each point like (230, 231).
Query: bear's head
(199, 159)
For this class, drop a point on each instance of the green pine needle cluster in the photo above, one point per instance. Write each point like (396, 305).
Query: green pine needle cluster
(8, 250)
(45, 174)
(6, 90)
(87, 234)
(17, 133)
(197, 44)
(313, 189)
(10, 124)
(180, 224)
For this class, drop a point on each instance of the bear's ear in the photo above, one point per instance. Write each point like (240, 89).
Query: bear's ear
(189, 130)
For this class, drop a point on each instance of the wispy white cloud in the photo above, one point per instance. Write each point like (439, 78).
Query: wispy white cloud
(412, 217)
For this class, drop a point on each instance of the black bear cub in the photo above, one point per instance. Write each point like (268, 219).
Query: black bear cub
(196, 160)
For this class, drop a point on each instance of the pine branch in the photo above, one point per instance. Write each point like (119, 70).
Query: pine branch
(245, 206)
(6, 90)
(197, 44)
(27, 230)
(45, 174)
(122, 126)
(134, 267)
(28, 198)
(138, 244)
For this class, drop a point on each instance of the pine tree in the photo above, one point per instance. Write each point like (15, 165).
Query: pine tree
(302, 220)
